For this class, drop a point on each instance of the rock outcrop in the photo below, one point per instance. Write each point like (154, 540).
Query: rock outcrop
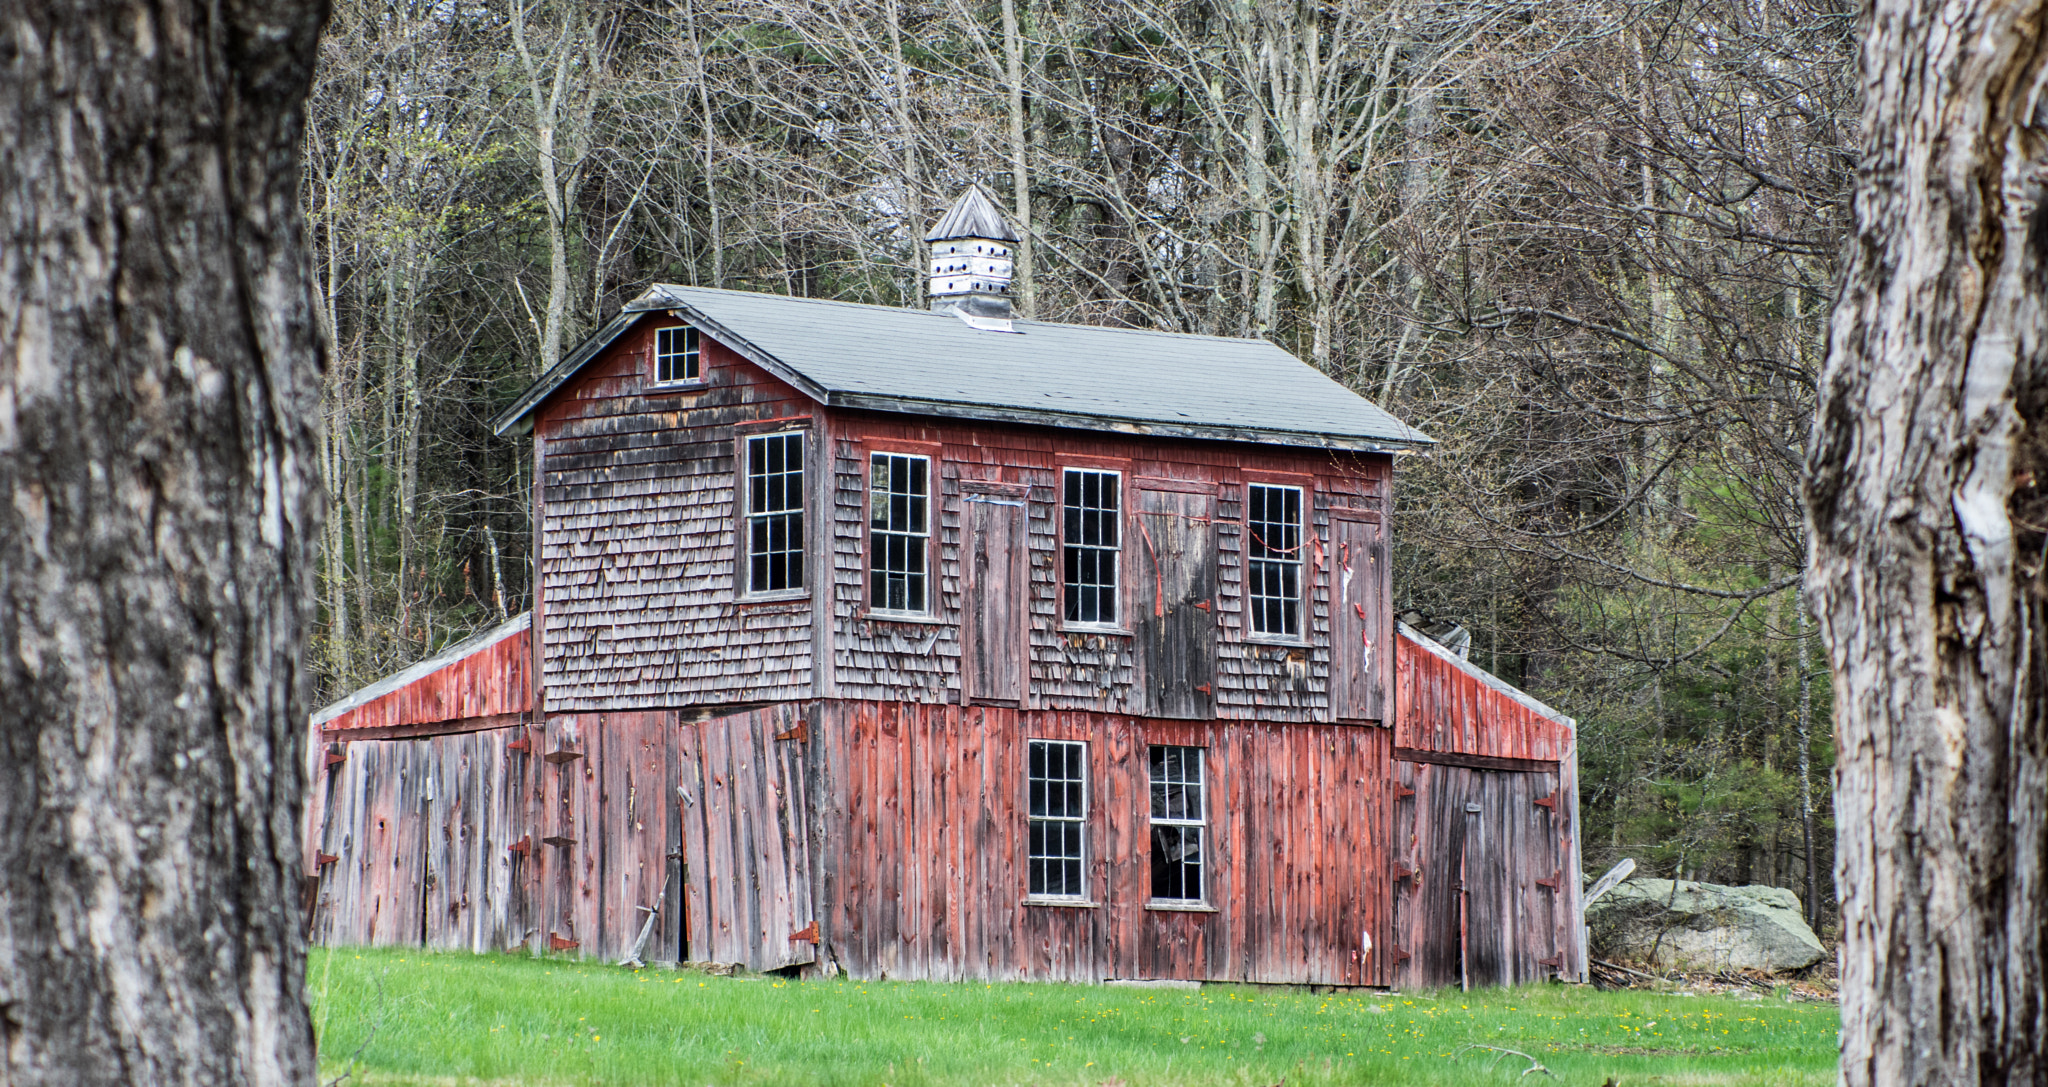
(1690, 925)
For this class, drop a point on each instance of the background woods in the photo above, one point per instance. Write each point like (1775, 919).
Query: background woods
(1588, 246)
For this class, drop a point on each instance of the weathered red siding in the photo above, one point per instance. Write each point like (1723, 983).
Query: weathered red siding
(479, 688)
(925, 877)
(1268, 680)
(1443, 708)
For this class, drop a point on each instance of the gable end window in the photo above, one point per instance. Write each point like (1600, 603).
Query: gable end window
(678, 355)
(1179, 821)
(1058, 784)
(775, 513)
(1273, 559)
(899, 532)
(1090, 542)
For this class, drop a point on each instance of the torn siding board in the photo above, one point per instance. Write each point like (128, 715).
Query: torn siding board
(637, 541)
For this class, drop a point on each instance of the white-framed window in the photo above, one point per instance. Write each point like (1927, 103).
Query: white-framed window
(678, 355)
(774, 543)
(1090, 543)
(1180, 824)
(1272, 520)
(1057, 782)
(899, 532)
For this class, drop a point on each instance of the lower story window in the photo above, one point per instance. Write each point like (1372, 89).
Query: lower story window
(1058, 784)
(1178, 823)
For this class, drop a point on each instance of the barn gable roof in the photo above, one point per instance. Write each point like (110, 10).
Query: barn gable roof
(884, 358)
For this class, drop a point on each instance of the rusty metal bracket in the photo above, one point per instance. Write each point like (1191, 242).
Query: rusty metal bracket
(1204, 605)
(562, 756)
(336, 755)
(1202, 687)
(1402, 871)
(800, 733)
(1548, 802)
(1401, 956)
(1555, 962)
(322, 860)
(523, 743)
(558, 943)
(523, 846)
(1551, 882)
(1403, 792)
(808, 934)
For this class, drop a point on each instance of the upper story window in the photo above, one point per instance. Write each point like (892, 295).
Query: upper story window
(899, 532)
(1179, 819)
(678, 355)
(1090, 543)
(1058, 784)
(775, 512)
(1273, 559)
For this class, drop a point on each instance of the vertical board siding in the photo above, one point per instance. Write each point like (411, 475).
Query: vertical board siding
(636, 540)
(1446, 705)
(419, 828)
(930, 879)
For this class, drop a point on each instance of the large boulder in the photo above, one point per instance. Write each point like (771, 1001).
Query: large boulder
(1688, 925)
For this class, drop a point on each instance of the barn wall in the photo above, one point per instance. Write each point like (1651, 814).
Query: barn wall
(418, 831)
(636, 550)
(896, 660)
(922, 870)
(1447, 706)
(488, 683)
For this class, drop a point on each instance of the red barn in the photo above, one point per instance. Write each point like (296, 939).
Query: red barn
(940, 644)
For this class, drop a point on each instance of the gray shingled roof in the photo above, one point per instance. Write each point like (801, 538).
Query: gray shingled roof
(974, 215)
(1136, 381)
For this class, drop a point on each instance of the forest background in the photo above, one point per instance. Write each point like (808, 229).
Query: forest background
(1588, 245)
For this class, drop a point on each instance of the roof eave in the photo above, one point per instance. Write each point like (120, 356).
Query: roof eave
(1146, 427)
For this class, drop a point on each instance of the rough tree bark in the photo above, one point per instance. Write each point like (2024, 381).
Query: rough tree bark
(1928, 499)
(159, 386)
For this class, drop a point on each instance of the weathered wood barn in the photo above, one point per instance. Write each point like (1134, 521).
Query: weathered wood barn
(940, 644)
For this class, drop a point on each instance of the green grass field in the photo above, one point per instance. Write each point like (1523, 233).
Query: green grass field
(402, 1017)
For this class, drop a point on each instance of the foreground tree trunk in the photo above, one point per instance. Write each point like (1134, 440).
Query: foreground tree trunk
(159, 382)
(1928, 494)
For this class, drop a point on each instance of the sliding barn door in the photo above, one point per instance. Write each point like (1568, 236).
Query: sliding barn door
(1361, 622)
(1174, 612)
(995, 596)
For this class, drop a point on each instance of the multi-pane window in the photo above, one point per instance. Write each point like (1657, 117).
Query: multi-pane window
(1272, 518)
(677, 355)
(1059, 817)
(899, 531)
(1178, 822)
(1090, 539)
(775, 513)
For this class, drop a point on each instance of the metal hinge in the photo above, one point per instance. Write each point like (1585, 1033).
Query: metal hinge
(808, 934)
(800, 733)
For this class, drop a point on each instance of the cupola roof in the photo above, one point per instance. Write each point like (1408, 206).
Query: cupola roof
(974, 215)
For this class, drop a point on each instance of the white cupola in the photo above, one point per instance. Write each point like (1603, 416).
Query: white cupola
(972, 248)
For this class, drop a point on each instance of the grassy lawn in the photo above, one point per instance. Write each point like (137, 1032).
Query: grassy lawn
(413, 1018)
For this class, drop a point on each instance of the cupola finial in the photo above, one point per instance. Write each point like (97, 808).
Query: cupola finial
(971, 265)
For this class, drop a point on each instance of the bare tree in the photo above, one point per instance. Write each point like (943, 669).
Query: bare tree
(1930, 537)
(160, 381)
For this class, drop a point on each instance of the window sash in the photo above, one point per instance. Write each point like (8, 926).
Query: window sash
(1273, 544)
(775, 512)
(1179, 824)
(899, 533)
(1057, 788)
(678, 355)
(1091, 540)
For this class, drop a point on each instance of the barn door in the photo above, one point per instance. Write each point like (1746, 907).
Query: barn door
(1174, 614)
(1478, 876)
(995, 597)
(1361, 624)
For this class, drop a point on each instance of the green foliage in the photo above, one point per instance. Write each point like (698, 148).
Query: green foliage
(406, 1017)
